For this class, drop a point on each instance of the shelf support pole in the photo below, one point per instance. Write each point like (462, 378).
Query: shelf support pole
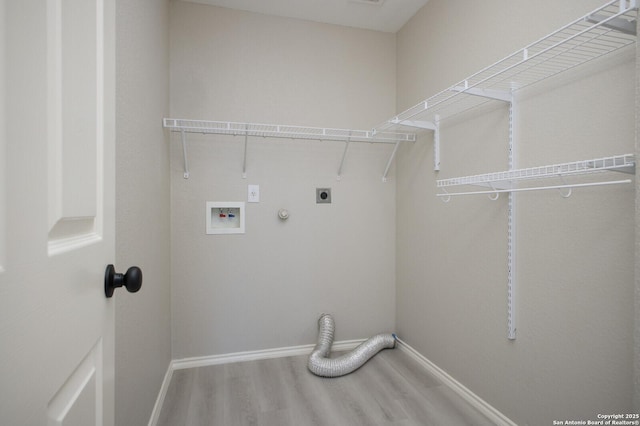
(436, 144)
(184, 154)
(511, 231)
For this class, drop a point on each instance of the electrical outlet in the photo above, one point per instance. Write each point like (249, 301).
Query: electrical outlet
(253, 195)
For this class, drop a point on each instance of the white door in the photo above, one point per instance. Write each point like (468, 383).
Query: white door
(56, 211)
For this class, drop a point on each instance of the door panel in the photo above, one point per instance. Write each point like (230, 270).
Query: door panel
(79, 401)
(57, 131)
(75, 88)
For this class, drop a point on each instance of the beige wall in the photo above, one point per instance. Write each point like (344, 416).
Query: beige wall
(266, 288)
(573, 354)
(143, 320)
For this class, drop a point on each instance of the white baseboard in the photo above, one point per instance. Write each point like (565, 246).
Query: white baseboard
(178, 364)
(346, 345)
(474, 400)
(161, 395)
(203, 361)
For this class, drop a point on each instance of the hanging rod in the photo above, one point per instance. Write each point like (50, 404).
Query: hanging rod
(500, 182)
(495, 192)
(285, 131)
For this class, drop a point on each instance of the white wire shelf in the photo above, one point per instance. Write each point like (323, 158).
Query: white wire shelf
(500, 182)
(607, 29)
(285, 131)
(603, 31)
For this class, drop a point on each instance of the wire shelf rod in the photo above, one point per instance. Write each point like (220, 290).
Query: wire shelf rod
(183, 126)
(537, 188)
(285, 131)
(624, 163)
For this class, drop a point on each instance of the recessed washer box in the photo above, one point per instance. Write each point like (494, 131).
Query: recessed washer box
(225, 217)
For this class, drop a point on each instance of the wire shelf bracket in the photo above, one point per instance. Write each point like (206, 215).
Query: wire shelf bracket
(344, 156)
(425, 125)
(284, 131)
(498, 95)
(184, 154)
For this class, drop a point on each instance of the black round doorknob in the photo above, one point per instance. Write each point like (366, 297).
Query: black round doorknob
(131, 280)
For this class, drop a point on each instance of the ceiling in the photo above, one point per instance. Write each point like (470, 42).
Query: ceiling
(379, 15)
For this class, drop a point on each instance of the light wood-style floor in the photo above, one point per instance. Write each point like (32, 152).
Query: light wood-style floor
(391, 389)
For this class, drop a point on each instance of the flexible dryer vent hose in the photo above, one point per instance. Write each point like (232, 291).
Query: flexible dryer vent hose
(321, 365)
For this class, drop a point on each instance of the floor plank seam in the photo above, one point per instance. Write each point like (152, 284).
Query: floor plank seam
(396, 387)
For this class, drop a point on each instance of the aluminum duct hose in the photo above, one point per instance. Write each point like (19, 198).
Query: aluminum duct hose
(321, 365)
